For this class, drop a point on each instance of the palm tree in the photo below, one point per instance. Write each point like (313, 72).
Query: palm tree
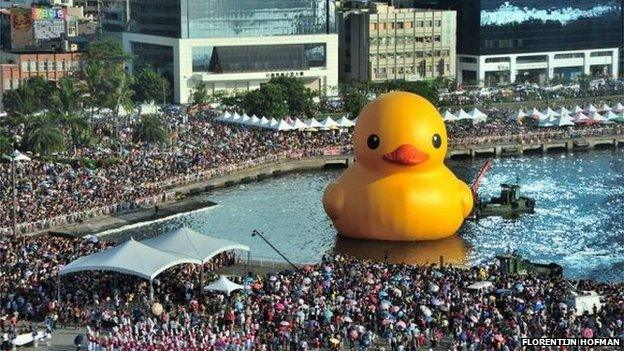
(21, 101)
(94, 79)
(43, 134)
(151, 129)
(67, 98)
(120, 96)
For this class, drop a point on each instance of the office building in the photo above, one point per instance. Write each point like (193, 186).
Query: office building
(17, 67)
(503, 41)
(380, 42)
(234, 45)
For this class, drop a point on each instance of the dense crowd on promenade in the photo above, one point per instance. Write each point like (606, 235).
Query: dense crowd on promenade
(340, 303)
(101, 179)
(531, 92)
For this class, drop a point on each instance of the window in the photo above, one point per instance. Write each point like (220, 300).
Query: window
(373, 26)
(409, 25)
(25, 66)
(569, 56)
(400, 25)
(601, 54)
(438, 23)
(419, 24)
(383, 26)
(437, 38)
(497, 59)
(467, 59)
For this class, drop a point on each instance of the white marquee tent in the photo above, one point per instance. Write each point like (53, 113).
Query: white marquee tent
(223, 284)
(461, 114)
(577, 109)
(313, 123)
(448, 116)
(619, 107)
(131, 257)
(187, 242)
(329, 123)
(299, 125)
(344, 122)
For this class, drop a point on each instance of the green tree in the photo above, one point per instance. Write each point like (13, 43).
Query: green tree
(43, 135)
(150, 86)
(354, 101)
(21, 101)
(151, 129)
(422, 88)
(78, 128)
(199, 95)
(107, 51)
(584, 80)
(68, 96)
(5, 141)
(270, 100)
(120, 96)
(299, 98)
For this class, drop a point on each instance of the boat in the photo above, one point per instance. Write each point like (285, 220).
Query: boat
(509, 204)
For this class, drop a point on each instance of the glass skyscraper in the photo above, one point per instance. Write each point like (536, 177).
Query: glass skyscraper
(231, 18)
(234, 44)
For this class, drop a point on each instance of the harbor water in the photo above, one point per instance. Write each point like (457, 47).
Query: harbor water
(578, 223)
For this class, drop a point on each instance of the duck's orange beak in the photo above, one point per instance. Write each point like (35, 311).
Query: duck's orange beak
(406, 155)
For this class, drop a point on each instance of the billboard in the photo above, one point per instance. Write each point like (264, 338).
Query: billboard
(21, 28)
(52, 13)
(549, 25)
(49, 23)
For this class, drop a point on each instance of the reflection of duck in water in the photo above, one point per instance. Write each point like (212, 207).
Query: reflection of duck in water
(454, 250)
(399, 189)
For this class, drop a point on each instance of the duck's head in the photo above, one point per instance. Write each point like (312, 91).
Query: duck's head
(400, 131)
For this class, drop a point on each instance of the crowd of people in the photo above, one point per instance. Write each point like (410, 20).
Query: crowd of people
(103, 179)
(341, 303)
(531, 92)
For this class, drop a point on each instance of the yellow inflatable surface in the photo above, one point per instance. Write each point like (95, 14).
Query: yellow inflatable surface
(399, 188)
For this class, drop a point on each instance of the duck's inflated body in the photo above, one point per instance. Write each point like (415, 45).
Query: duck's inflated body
(399, 188)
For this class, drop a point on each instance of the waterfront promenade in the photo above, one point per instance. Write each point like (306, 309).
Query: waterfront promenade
(178, 193)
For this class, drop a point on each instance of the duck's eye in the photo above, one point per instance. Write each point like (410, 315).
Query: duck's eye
(373, 141)
(436, 140)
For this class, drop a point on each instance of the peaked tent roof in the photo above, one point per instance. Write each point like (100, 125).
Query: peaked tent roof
(619, 107)
(187, 242)
(329, 123)
(344, 122)
(282, 125)
(131, 257)
(461, 114)
(223, 284)
(264, 122)
(577, 109)
(299, 125)
(313, 123)
(448, 116)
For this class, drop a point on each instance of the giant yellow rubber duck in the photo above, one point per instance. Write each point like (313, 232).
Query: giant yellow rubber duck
(399, 188)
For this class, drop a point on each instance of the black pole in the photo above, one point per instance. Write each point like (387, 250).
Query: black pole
(255, 232)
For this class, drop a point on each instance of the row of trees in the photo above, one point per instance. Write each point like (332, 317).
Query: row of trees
(288, 96)
(56, 114)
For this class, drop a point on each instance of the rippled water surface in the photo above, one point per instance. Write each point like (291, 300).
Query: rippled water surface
(579, 219)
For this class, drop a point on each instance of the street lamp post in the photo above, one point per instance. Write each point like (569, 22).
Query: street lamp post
(15, 157)
(255, 232)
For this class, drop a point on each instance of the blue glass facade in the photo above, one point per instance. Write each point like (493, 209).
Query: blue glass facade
(231, 18)
(256, 18)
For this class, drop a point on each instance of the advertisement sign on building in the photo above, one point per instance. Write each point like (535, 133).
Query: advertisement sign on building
(54, 13)
(21, 28)
(49, 29)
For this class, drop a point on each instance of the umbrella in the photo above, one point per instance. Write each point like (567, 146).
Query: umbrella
(588, 333)
(436, 302)
(307, 280)
(426, 311)
(284, 324)
(433, 288)
(353, 333)
(385, 305)
(272, 278)
(280, 306)
(157, 309)
(347, 319)
(334, 341)
(401, 325)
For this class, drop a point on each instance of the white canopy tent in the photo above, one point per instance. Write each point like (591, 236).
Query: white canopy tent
(329, 123)
(223, 284)
(534, 113)
(480, 285)
(255, 121)
(619, 107)
(478, 116)
(236, 118)
(273, 123)
(520, 114)
(591, 108)
(562, 111)
(131, 257)
(577, 109)
(187, 242)
(344, 122)
(461, 114)
(564, 121)
(282, 125)
(605, 108)
(610, 115)
(448, 116)
(299, 125)
(581, 118)
(312, 123)
(264, 123)
(245, 119)
(547, 121)
(550, 112)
